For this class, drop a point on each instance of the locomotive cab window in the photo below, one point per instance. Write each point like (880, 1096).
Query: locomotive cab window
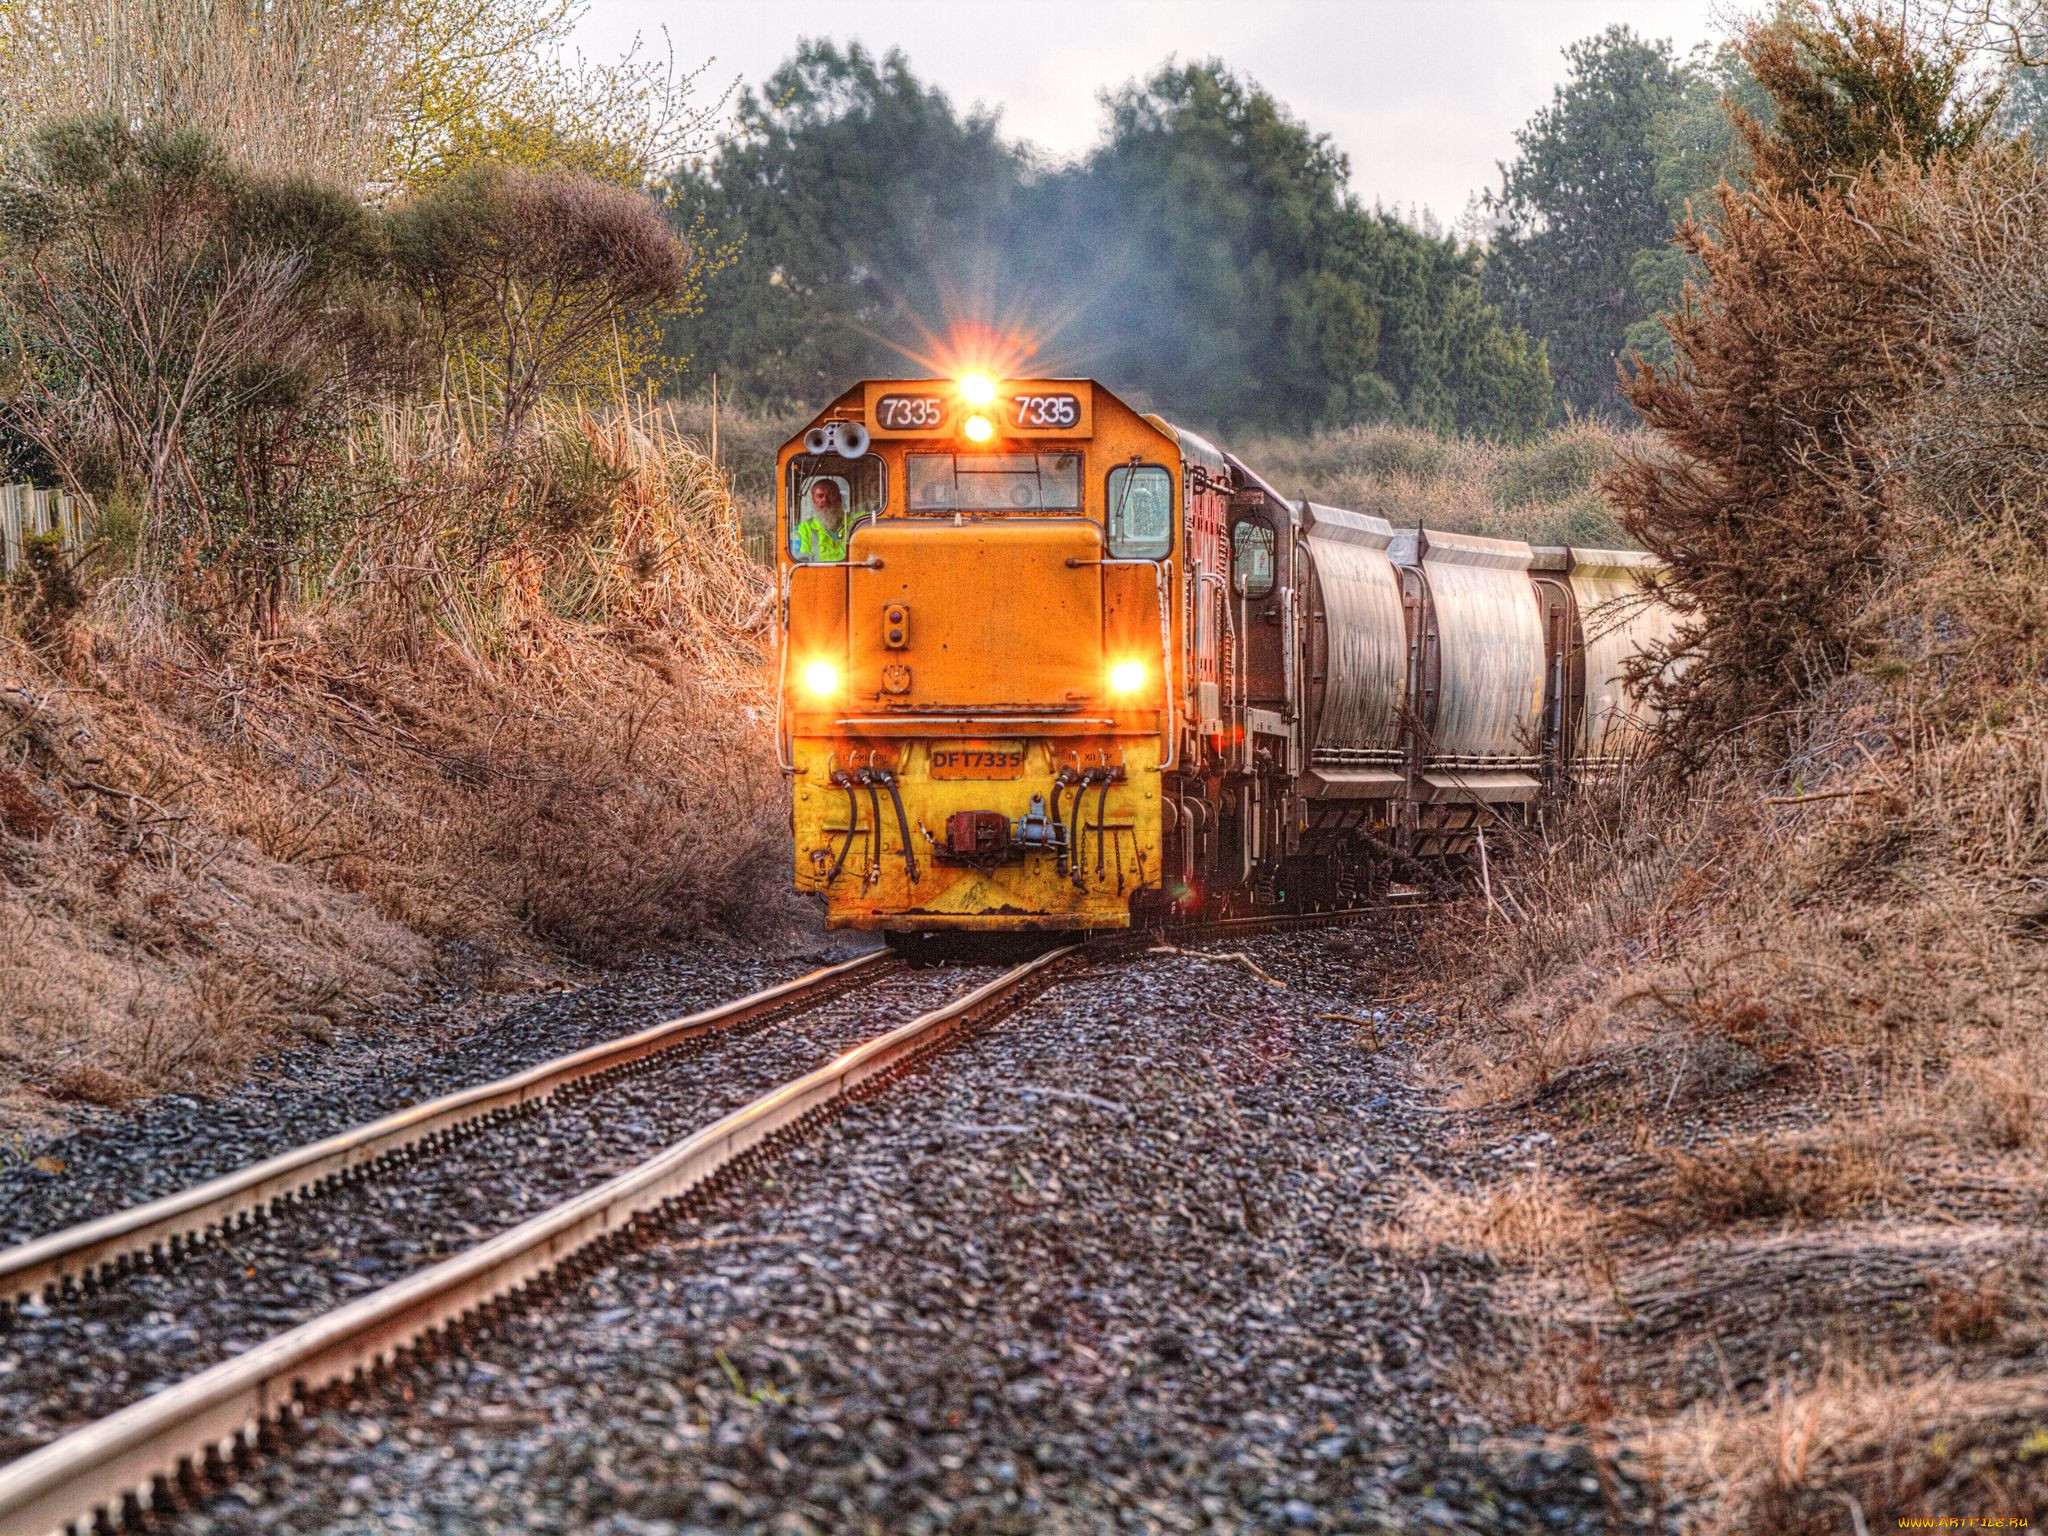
(1251, 558)
(1140, 512)
(828, 496)
(993, 482)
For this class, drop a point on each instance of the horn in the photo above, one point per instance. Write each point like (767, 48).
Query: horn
(817, 440)
(853, 439)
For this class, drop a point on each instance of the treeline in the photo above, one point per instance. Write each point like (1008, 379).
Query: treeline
(1208, 253)
(1207, 256)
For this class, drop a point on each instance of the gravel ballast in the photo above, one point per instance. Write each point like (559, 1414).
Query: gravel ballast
(67, 1362)
(354, 1074)
(1112, 1264)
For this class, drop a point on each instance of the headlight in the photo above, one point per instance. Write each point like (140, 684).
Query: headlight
(822, 679)
(1127, 677)
(978, 429)
(977, 389)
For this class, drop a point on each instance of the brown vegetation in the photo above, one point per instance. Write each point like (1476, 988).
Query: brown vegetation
(1781, 1004)
(553, 746)
(1545, 491)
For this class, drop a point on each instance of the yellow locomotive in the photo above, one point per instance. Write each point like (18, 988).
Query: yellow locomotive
(1048, 663)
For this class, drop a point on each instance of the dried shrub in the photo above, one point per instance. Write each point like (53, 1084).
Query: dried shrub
(1762, 1178)
(1765, 492)
(1964, 1312)
(1526, 1218)
(24, 812)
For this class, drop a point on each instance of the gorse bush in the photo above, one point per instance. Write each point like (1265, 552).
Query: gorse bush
(524, 274)
(1764, 491)
(172, 322)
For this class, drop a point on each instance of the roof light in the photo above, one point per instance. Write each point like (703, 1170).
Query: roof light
(977, 388)
(1127, 677)
(977, 429)
(822, 679)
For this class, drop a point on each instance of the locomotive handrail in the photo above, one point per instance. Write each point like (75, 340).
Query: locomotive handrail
(785, 756)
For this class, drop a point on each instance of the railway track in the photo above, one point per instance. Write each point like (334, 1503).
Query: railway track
(82, 1256)
(166, 1447)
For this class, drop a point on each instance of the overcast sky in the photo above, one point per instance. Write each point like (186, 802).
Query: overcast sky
(1423, 95)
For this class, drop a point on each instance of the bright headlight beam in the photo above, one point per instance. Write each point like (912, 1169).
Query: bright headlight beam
(822, 679)
(978, 429)
(1127, 677)
(977, 388)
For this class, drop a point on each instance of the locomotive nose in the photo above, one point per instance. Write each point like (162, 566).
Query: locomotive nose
(996, 617)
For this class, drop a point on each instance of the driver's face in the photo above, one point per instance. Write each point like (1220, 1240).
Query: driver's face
(825, 499)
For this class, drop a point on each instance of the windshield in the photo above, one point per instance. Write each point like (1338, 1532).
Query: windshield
(994, 482)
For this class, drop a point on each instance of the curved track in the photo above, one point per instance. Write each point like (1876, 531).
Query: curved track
(171, 1443)
(80, 1257)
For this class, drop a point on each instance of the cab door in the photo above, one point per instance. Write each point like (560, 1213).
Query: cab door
(1256, 555)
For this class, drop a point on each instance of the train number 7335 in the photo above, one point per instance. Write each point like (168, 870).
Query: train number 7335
(1046, 410)
(909, 413)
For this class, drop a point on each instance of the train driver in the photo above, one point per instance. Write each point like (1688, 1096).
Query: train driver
(822, 533)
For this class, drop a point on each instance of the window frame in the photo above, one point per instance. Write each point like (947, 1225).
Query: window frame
(1109, 512)
(794, 508)
(1272, 551)
(1078, 509)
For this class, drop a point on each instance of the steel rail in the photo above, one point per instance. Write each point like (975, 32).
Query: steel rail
(81, 1254)
(115, 1466)
(1291, 922)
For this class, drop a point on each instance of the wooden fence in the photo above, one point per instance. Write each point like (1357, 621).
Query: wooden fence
(26, 511)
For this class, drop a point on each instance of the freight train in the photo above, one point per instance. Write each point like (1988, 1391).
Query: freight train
(1048, 663)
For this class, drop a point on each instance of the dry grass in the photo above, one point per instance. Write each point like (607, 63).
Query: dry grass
(1789, 1006)
(1864, 1449)
(1785, 1017)
(1544, 492)
(549, 743)
(1842, 1171)
(1526, 1218)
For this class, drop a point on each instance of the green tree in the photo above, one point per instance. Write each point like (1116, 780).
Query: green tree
(1206, 256)
(1851, 87)
(1578, 205)
(1696, 145)
(1231, 275)
(865, 212)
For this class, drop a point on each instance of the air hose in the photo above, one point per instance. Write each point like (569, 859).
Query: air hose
(902, 823)
(844, 780)
(1059, 854)
(1074, 830)
(1101, 810)
(867, 781)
